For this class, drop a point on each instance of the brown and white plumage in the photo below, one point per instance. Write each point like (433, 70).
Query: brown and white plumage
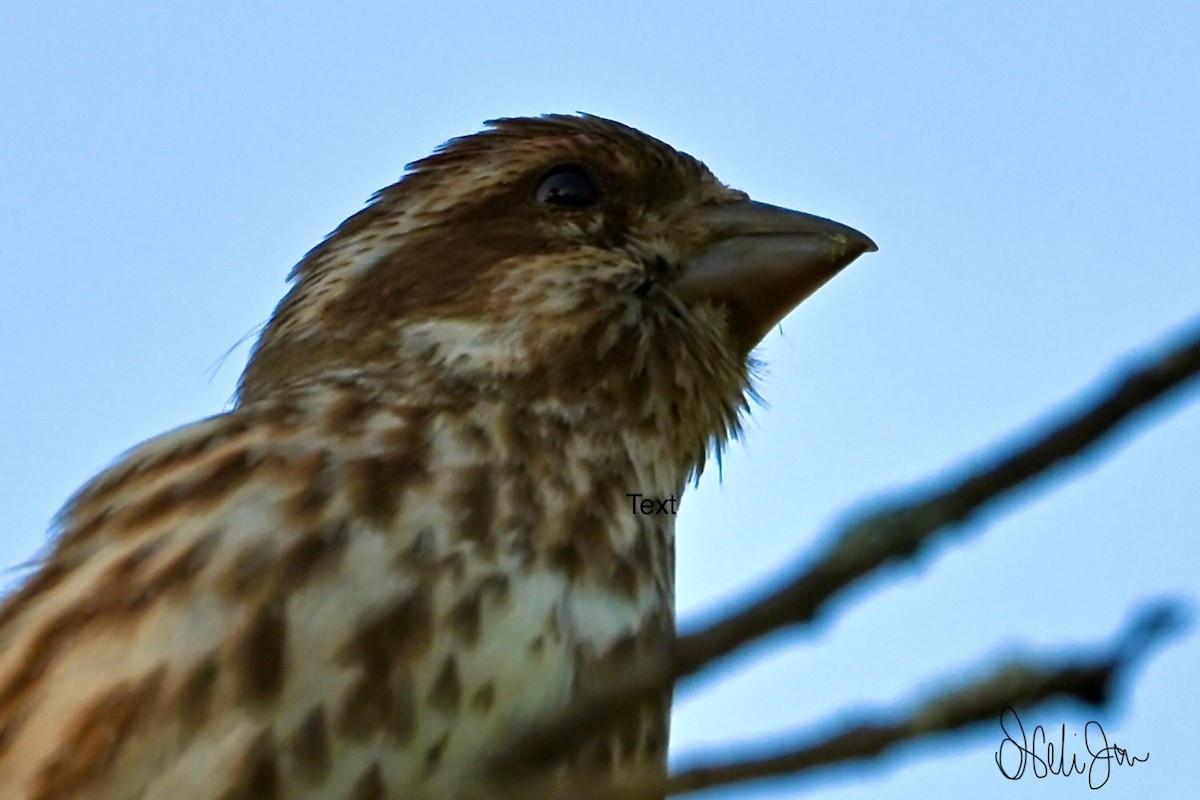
(411, 536)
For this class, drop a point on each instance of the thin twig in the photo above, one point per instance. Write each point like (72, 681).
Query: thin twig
(895, 533)
(1018, 685)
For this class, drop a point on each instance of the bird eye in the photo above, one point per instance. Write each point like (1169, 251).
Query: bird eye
(568, 186)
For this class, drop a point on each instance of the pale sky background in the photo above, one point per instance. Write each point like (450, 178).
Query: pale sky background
(1030, 172)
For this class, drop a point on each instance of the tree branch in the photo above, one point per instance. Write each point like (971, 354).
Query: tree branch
(896, 533)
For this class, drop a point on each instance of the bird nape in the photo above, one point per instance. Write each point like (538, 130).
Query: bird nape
(413, 534)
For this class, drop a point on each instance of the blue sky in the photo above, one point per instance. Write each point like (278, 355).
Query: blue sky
(1029, 172)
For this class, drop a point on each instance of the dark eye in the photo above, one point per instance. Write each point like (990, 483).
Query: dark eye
(568, 186)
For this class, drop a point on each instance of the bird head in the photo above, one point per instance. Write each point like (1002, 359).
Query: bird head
(569, 263)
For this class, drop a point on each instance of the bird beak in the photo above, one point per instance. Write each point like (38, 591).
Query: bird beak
(761, 261)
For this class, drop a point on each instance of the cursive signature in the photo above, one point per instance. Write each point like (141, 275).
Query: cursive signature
(1101, 752)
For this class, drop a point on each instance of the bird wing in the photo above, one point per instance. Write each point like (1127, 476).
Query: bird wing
(287, 598)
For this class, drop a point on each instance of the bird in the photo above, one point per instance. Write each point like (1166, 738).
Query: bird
(411, 536)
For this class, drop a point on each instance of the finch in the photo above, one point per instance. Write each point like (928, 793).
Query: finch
(412, 536)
